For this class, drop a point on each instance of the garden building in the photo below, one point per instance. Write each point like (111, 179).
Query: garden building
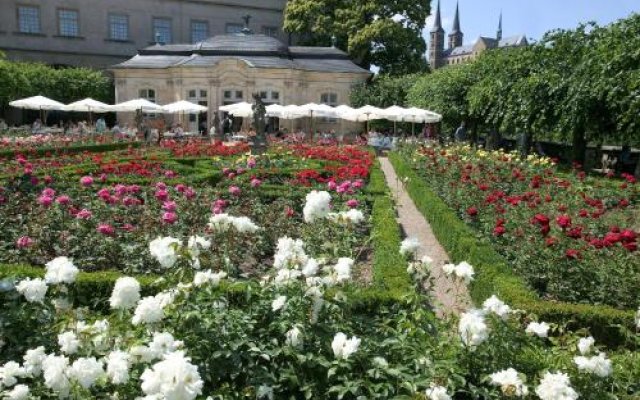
(227, 69)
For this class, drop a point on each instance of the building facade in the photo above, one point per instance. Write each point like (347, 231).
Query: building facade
(100, 33)
(459, 53)
(230, 68)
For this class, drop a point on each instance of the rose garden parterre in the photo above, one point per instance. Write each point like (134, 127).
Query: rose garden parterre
(573, 237)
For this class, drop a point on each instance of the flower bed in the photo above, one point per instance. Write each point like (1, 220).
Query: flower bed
(572, 237)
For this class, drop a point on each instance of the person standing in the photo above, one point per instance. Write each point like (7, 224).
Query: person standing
(461, 133)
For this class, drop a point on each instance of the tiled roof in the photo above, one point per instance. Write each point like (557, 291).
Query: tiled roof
(519, 40)
(257, 51)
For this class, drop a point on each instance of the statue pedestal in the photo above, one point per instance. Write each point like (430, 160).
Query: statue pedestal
(258, 146)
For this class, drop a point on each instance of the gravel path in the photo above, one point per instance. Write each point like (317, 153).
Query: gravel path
(449, 297)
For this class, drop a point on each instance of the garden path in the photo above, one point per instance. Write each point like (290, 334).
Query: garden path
(449, 297)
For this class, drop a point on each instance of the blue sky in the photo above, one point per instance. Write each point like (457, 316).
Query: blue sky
(531, 17)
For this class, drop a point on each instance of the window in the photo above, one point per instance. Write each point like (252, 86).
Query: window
(203, 94)
(270, 96)
(270, 31)
(29, 19)
(263, 95)
(234, 28)
(148, 94)
(330, 99)
(68, 23)
(230, 96)
(162, 30)
(118, 27)
(199, 31)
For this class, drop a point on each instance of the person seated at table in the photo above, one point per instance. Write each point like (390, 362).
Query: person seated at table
(37, 126)
(116, 130)
(178, 130)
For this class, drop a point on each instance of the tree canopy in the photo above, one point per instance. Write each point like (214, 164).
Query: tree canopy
(385, 33)
(574, 86)
(19, 80)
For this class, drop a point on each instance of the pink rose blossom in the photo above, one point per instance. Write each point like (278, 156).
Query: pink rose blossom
(353, 203)
(161, 186)
(45, 200)
(48, 179)
(180, 188)
(106, 229)
(170, 174)
(128, 228)
(189, 193)
(120, 190)
(24, 242)
(234, 190)
(63, 200)
(251, 163)
(169, 206)
(84, 214)
(133, 189)
(86, 181)
(169, 217)
(104, 194)
(255, 182)
(103, 177)
(332, 185)
(231, 175)
(240, 171)
(49, 192)
(162, 195)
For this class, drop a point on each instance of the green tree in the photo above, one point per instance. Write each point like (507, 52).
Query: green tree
(445, 92)
(385, 33)
(383, 91)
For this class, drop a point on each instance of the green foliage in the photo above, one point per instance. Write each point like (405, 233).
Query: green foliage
(445, 92)
(575, 86)
(369, 30)
(383, 91)
(91, 148)
(20, 79)
(493, 273)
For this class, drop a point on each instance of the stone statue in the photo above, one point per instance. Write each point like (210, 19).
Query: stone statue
(219, 131)
(259, 141)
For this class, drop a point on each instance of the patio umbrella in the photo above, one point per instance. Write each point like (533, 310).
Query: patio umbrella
(141, 105)
(243, 109)
(364, 114)
(184, 107)
(88, 105)
(38, 103)
(313, 110)
(395, 114)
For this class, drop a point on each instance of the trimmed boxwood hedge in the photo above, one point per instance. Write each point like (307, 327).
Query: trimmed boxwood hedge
(390, 279)
(493, 273)
(92, 148)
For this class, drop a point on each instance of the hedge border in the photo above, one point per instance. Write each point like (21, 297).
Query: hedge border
(92, 148)
(390, 280)
(493, 273)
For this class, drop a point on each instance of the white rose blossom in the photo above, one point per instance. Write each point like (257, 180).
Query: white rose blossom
(68, 342)
(172, 378)
(34, 290)
(223, 222)
(60, 270)
(9, 373)
(19, 392)
(163, 249)
(540, 329)
(118, 364)
(598, 365)
(343, 347)
(33, 361)
(585, 345)
(149, 310)
(464, 271)
(317, 206)
(294, 337)
(86, 371)
(279, 303)
(409, 246)
(437, 393)
(509, 382)
(556, 387)
(55, 374)
(125, 294)
(473, 328)
(342, 269)
(208, 277)
(494, 305)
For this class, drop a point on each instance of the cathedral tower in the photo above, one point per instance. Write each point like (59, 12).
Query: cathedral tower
(456, 36)
(436, 46)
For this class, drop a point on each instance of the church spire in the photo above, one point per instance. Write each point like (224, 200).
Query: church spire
(437, 25)
(499, 36)
(456, 20)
